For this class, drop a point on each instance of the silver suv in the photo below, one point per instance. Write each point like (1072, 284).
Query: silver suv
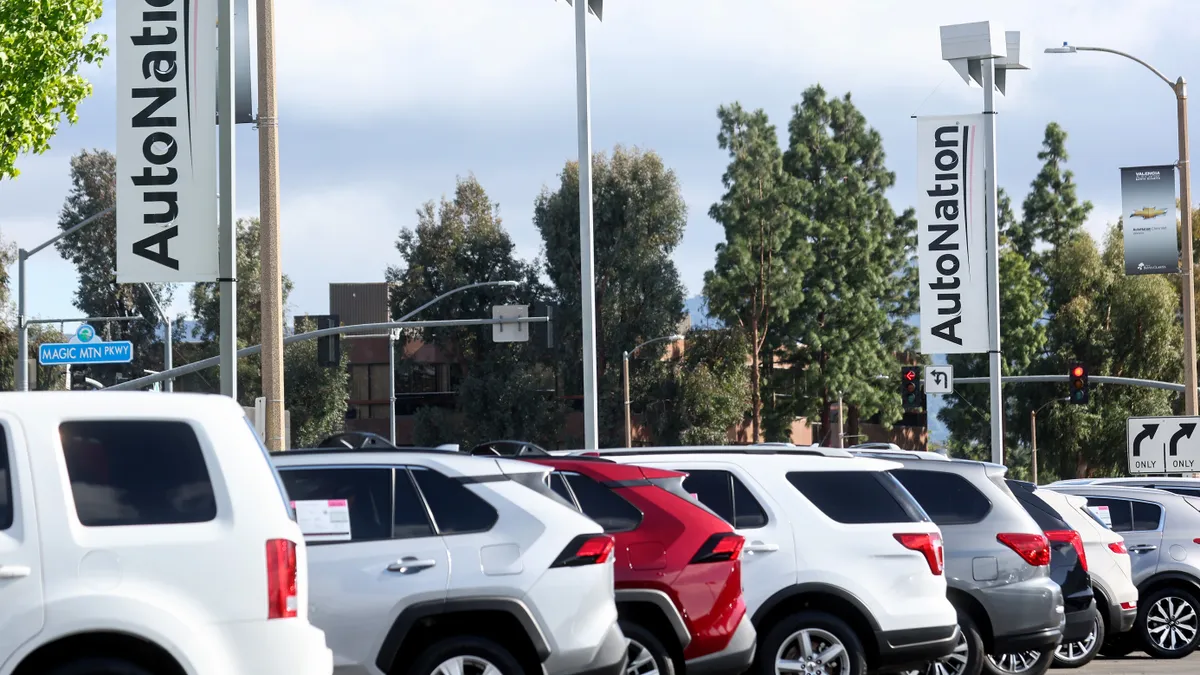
(1160, 530)
(997, 565)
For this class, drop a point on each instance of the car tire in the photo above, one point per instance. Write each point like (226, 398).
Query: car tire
(469, 653)
(1022, 663)
(647, 654)
(1168, 623)
(99, 666)
(1081, 652)
(968, 655)
(824, 631)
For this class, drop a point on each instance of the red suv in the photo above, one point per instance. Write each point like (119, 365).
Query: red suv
(678, 565)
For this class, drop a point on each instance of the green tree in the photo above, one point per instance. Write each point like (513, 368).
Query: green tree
(1053, 213)
(696, 397)
(43, 45)
(639, 220)
(760, 267)
(316, 396)
(93, 251)
(848, 330)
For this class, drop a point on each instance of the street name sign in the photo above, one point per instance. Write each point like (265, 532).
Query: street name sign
(85, 348)
(939, 379)
(1163, 444)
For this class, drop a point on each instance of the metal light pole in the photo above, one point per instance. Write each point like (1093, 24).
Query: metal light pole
(1033, 434)
(168, 339)
(625, 381)
(227, 230)
(1179, 87)
(983, 52)
(591, 433)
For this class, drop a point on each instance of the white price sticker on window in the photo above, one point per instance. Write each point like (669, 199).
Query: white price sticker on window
(1103, 514)
(323, 519)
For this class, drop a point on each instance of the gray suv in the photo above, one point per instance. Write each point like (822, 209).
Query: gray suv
(997, 565)
(1160, 530)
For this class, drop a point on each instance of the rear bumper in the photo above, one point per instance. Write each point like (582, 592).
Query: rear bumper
(901, 650)
(281, 647)
(610, 657)
(733, 660)
(1078, 624)
(1121, 620)
(1028, 642)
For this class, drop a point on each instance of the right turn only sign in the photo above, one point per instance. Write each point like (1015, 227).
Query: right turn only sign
(1163, 444)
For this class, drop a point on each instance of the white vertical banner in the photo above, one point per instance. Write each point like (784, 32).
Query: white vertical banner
(952, 234)
(166, 140)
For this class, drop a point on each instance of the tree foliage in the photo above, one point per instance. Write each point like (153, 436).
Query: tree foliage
(760, 266)
(316, 395)
(639, 220)
(696, 397)
(43, 45)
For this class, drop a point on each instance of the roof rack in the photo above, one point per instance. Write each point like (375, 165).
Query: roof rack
(898, 454)
(758, 449)
(509, 449)
(356, 440)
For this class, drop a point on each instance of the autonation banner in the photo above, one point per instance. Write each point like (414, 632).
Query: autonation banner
(166, 140)
(951, 237)
(1151, 241)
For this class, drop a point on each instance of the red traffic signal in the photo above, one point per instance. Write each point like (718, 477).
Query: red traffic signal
(1077, 371)
(1078, 375)
(910, 374)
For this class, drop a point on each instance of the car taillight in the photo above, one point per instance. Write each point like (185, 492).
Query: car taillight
(1033, 548)
(586, 549)
(281, 579)
(720, 548)
(1129, 605)
(1070, 537)
(1118, 547)
(930, 545)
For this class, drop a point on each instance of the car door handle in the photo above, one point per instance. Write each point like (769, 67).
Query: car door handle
(1143, 548)
(14, 571)
(761, 547)
(408, 565)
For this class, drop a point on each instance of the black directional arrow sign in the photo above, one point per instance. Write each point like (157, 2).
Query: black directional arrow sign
(1147, 431)
(1185, 431)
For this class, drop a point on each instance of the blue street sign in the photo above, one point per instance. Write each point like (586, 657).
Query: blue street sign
(85, 348)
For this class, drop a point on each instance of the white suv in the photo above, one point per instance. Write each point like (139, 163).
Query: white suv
(842, 568)
(428, 562)
(145, 534)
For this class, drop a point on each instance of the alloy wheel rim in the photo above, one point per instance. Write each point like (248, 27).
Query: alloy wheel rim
(466, 665)
(639, 660)
(1172, 623)
(1018, 662)
(1071, 652)
(812, 651)
(955, 663)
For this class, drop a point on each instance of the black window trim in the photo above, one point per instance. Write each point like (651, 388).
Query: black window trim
(7, 486)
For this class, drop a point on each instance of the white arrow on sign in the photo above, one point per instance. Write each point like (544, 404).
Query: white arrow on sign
(939, 379)
(1163, 444)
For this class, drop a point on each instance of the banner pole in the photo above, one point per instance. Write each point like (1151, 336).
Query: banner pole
(993, 259)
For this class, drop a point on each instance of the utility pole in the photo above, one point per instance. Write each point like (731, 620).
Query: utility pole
(1189, 287)
(269, 233)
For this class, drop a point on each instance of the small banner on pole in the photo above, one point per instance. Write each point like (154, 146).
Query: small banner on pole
(1149, 221)
(952, 234)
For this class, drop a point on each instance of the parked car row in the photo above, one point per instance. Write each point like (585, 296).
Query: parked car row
(152, 535)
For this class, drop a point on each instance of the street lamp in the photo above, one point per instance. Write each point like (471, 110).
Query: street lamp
(1033, 433)
(591, 433)
(625, 380)
(1179, 86)
(984, 53)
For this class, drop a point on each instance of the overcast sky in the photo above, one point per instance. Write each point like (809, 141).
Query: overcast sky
(384, 102)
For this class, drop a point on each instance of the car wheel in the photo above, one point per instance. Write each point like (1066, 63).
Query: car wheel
(646, 654)
(967, 657)
(465, 655)
(99, 666)
(816, 643)
(1019, 663)
(1081, 652)
(1170, 623)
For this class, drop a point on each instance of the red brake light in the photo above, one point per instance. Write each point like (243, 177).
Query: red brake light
(1070, 537)
(281, 579)
(1033, 548)
(1118, 547)
(1129, 605)
(720, 548)
(586, 549)
(929, 544)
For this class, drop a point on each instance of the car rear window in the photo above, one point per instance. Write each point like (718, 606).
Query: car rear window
(133, 472)
(365, 491)
(727, 496)
(948, 498)
(6, 500)
(1042, 513)
(610, 510)
(858, 497)
(456, 510)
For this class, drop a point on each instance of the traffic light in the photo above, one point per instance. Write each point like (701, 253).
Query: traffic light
(910, 387)
(1078, 382)
(329, 348)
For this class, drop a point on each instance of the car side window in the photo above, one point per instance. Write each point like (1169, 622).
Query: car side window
(559, 485)
(455, 509)
(948, 498)
(137, 472)
(1146, 516)
(7, 511)
(748, 514)
(411, 518)
(727, 496)
(607, 508)
(367, 492)
(1120, 512)
(857, 497)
